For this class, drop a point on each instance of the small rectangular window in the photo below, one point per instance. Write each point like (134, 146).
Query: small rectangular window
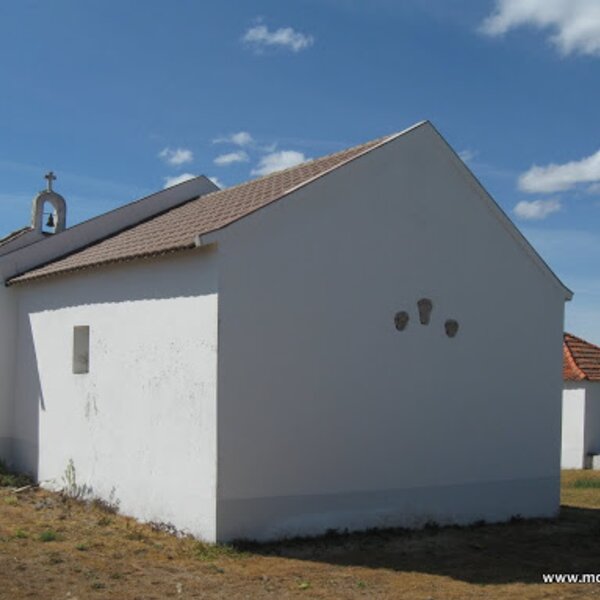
(81, 349)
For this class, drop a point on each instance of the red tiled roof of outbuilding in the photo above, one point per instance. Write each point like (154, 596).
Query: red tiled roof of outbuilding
(581, 359)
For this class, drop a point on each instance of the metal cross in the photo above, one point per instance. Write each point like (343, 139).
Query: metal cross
(50, 177)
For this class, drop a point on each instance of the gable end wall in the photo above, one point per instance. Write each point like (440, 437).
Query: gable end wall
(329, 416)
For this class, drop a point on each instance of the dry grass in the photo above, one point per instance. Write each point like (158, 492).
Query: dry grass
(581, 489)
(54, 547)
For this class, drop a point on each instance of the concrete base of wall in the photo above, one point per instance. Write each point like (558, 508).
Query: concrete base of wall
(264, 519)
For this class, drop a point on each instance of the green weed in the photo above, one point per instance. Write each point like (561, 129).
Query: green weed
(48, 536)
(10, 479)
(209, 552)
(587, 483)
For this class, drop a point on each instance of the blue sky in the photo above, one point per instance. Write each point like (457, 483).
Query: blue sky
(120, 98)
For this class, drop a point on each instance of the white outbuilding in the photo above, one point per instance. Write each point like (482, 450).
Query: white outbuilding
(363, 340)
(581, 404)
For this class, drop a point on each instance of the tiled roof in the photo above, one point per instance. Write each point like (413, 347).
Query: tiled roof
(14, 235)
(177, 228)
(581, 360)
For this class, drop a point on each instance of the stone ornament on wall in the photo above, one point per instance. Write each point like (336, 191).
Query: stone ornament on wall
(451, 327)
(401, 320)
(425, 309)
(425, 306)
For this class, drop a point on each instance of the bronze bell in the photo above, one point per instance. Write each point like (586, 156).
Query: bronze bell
(51, 222)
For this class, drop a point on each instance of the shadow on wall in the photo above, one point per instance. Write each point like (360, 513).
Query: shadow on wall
(184, 274)
(160, 278)
(26, 417)
(519, 551)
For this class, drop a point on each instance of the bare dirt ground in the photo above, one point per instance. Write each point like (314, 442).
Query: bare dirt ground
(53, 547)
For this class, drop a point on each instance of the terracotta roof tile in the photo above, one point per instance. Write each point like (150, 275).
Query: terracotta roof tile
(177, 228)
(581, 360)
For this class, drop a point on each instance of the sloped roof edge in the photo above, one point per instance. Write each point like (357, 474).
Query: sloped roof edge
(329, 163)
(502, 217)
(57, 247)
(139, 241)
(380, 142)
(15, 235)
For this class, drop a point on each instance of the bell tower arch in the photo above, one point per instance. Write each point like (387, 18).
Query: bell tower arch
(57, 216)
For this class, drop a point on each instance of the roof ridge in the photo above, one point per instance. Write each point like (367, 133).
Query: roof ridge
(360, 149)
(372, 144)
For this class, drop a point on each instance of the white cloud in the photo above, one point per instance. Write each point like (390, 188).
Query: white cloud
(558, 178)
(217, 182)
(177, 156)
(575, 23)
(276, 161)
(260, 37)
(537, 209)
(232, 157)
(171, 181)
(241, 138)
(467, 155)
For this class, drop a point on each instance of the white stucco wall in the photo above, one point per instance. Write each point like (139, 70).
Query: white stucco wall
(328, 416)
(573, 426)
(140, 426)
(580, 423)
(8, 341)
(592, 418)
(33, 249)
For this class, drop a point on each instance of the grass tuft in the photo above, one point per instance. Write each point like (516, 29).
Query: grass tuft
(10, 479)
(98, 585)
(48, 536)
(210, 552)
(105, 506)
(136, 535)
(586, 483)
(55, 559)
